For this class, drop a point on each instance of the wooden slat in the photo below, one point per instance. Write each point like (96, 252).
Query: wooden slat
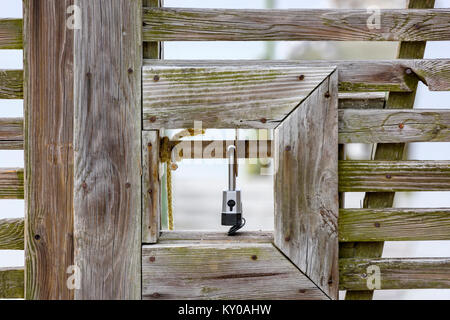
(354, 76)
(362, 100)
(182, 24)
(11, 84)
(216, 149)
(11, 133)
(107, 140)
(394, 176)
(222, 271)
(214, 236)
(48, 116)
(394, 224)
(405, 273)
(151, 196)
(11, 234)
(394, 126)
(257, 96)
(10, 33)
(306, 187)
(11, 283)
(11, 183)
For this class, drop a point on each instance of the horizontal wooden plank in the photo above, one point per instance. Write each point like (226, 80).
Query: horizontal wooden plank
(217, 149)
(182, 24)
(11, 283)
(215, 236)
(11, 183)
(405, 273)
(10, 33)
(362, 100)
(222, 271)
(354, 76)
(11, 84)
(394, 176)
(394, 224)
(11, 234)
(257, 96)
(394, 126)
(11, 133)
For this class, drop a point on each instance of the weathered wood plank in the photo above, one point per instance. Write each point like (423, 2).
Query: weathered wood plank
(222, 271)
(11, 84)
(11, 283)
(225, 97)
(306, 186)
(394, 224)
(11, 133)
(396, 100)
(362, 100)
(151, 197)
(215, 236)
(153, 49)
(394, 126)
(183, 24)
(405, 273)
(11, 33)
(11, 183)
(354, 76)
(48, 116)
(394, 176)
(107, 140)
(11, 234)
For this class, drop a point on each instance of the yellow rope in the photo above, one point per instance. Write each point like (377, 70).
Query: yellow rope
(169, 195)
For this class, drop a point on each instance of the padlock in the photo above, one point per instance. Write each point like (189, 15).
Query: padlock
(232, 203)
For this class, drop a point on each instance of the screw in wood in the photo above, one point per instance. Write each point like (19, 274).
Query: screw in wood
(254, 257)
(263, 120)
(156, 78)
(301, 77)
(401, 125)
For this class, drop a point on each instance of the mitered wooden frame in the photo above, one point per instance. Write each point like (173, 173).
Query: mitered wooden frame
(302, 104)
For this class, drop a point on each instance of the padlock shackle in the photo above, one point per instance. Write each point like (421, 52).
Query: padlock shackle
(231, 168)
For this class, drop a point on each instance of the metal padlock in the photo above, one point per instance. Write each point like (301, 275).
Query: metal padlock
(231, 203)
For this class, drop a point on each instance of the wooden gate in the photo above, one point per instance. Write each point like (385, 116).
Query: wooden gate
(95, 99)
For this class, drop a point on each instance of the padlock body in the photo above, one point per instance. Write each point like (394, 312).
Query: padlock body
(231, 208)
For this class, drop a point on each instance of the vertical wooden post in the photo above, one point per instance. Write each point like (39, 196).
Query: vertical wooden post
(107, 149)
(151, 198)
(48, 133)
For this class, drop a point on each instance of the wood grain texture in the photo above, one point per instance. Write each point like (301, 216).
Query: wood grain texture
(394, 176)
(11, 283)
(11, 183)
(394, 126)
(48, 116)
(242, 271)
(151, 196)
(11, 234)
(405, 273)
(183, 24)
(306, 187)
(259, 96)
(11, 33)
(394, 224)
(216, 237)
(153, 49)
(11, 133)
(107, 145)
(390, 151)
(11, 84)
(354, 76)
(362, 100)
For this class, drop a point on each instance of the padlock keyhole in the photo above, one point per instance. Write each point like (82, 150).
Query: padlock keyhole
(231, 204)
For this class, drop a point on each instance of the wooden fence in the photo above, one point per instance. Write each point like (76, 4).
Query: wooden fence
(366, 115)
